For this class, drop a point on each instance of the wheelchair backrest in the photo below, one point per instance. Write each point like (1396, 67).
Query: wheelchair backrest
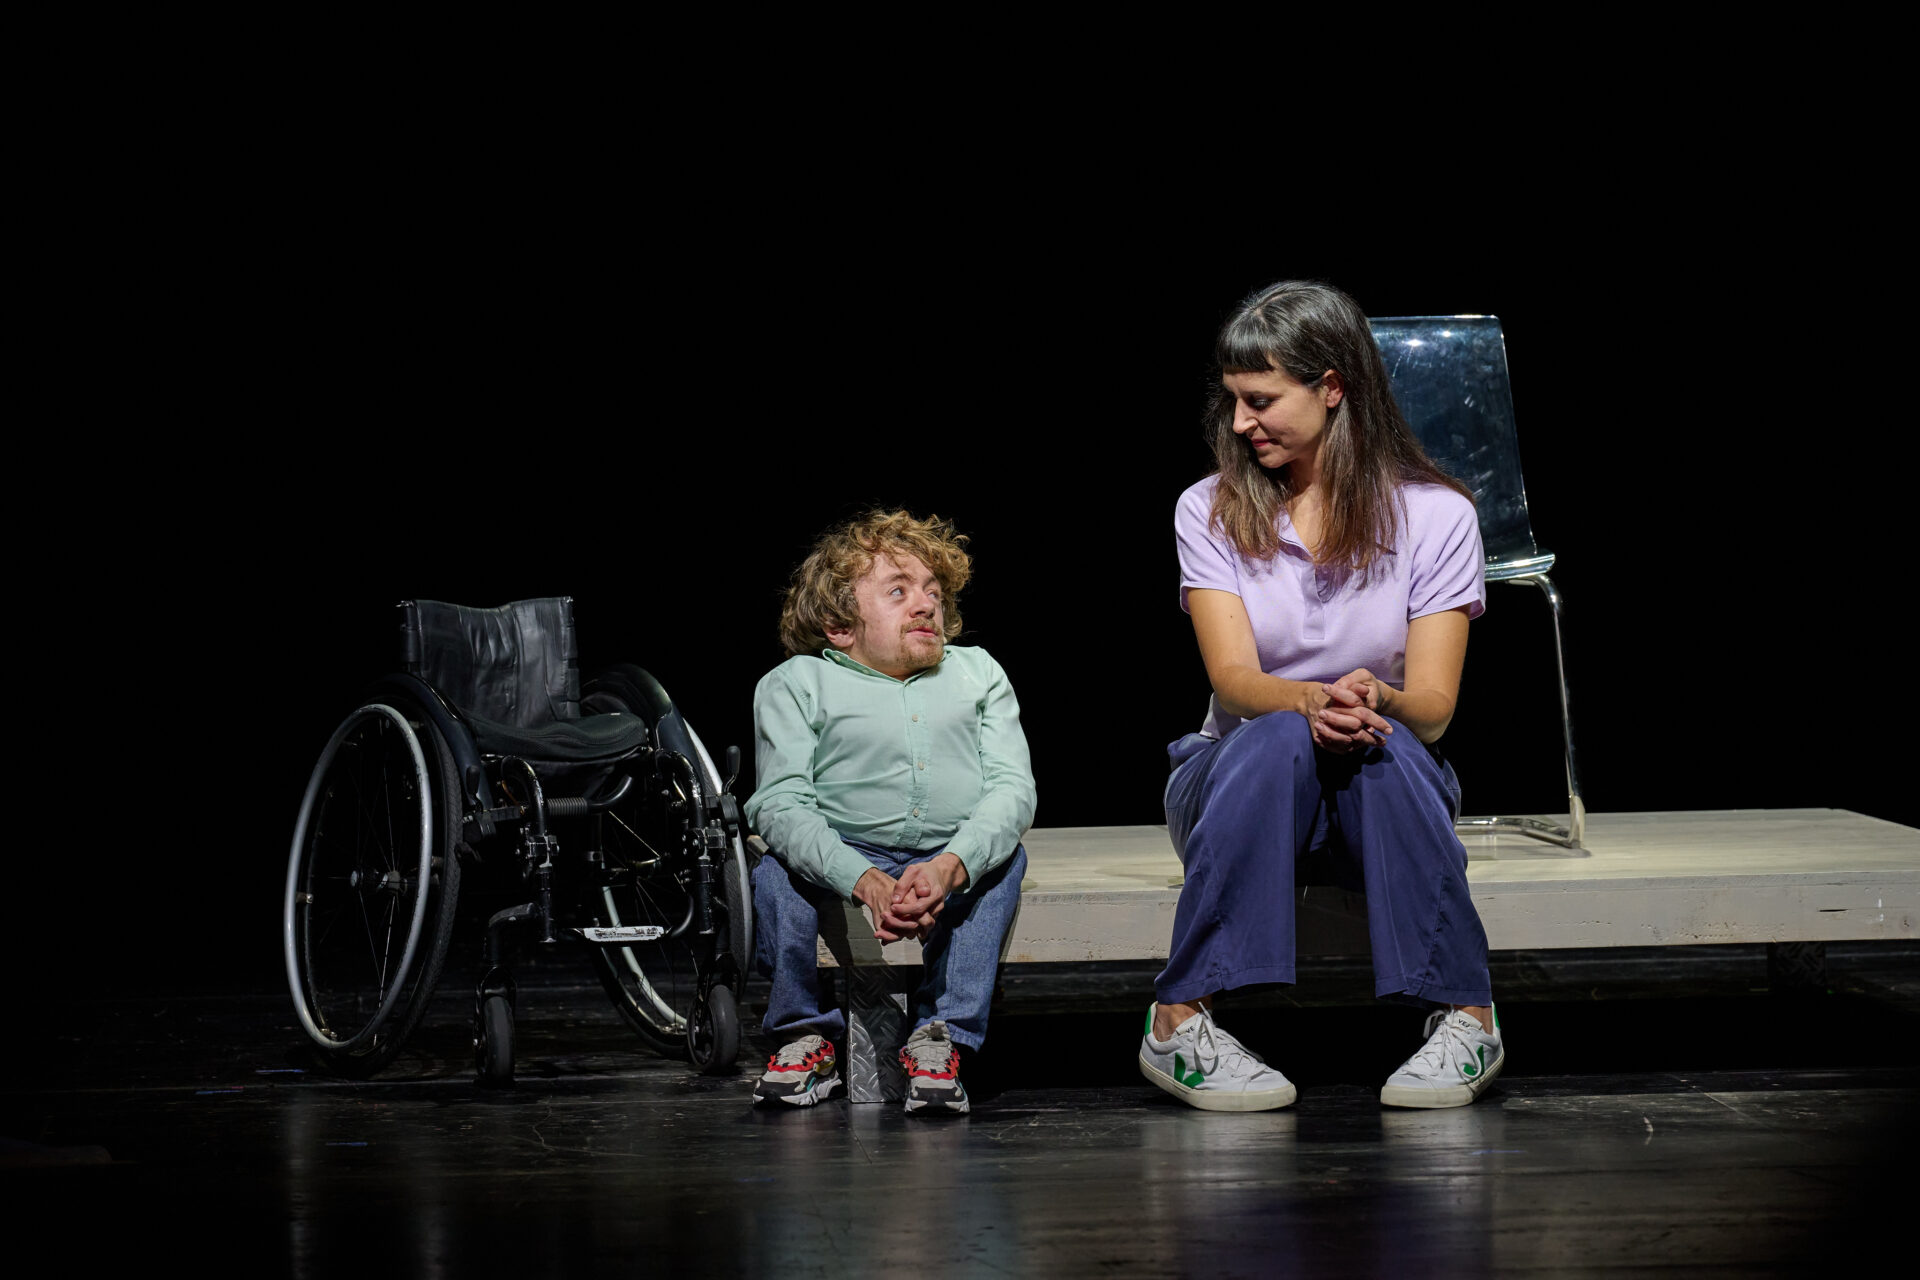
(518, 664)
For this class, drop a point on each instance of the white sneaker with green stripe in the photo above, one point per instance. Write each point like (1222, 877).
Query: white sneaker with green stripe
(1459, 1059)
(1206, 1067)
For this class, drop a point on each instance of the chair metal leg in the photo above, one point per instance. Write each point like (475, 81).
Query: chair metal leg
(1572, 835)
(1576, 806)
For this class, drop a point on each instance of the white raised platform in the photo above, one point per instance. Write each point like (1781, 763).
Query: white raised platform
(1653, 879)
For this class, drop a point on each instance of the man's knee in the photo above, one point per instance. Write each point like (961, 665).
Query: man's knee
(1003, 879)
(776, 888)
(769, 876)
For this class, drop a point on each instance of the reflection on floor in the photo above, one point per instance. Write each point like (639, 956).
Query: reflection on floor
(1660, 1108)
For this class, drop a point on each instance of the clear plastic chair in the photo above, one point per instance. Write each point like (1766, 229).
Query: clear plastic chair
(1449, 374)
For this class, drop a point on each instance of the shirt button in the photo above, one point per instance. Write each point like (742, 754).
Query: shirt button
(916, 717)
(923, 764)
(916, 813)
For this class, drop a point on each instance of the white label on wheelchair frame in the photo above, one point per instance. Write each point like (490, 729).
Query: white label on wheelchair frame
(625, 933)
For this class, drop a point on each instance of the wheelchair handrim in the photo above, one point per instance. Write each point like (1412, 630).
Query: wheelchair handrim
(397, 985)
(738, 851)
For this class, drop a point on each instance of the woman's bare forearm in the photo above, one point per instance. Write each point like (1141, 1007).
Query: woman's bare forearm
(1436, 652)
(1425, 711)
(1245, 692)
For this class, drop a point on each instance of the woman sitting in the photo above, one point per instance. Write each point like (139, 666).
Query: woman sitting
(1330, 569)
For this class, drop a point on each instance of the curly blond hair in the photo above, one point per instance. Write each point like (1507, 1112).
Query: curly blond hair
(820, 598)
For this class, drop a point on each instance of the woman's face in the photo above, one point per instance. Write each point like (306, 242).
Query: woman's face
(1280, 418)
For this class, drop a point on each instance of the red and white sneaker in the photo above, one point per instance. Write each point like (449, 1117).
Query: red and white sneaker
(801, 1074)
(932, 1064)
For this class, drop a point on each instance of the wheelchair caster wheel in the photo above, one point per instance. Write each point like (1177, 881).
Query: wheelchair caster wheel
(493, 1041)
(713, 1031)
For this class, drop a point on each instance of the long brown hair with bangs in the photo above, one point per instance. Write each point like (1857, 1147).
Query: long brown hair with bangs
(820, 598)
(1367, 451)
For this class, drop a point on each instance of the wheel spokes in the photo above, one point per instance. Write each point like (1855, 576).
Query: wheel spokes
(367, 809)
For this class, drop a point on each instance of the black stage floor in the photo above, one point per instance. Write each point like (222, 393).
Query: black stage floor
(1660, 1110)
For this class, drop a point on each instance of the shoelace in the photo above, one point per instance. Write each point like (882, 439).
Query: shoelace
(797, 1053)
(1433, 1054)
(929, 1053)
(1207, 1040)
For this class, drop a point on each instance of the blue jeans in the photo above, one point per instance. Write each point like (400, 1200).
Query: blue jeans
(1262, 810)
(961, 956)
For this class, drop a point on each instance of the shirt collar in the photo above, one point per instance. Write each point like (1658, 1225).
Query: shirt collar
(834, 655)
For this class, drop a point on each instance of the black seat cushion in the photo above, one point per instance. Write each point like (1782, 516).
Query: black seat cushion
(588, 740)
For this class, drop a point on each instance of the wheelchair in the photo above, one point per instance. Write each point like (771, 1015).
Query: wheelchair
(598, 804)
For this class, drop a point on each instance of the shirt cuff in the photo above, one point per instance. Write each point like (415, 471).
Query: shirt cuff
(976, 860)
(843, 870)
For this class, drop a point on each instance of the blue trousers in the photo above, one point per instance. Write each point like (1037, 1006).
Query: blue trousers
(1258, 811)
(961, 956)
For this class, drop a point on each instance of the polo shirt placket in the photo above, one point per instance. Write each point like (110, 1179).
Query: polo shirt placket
(914, 716)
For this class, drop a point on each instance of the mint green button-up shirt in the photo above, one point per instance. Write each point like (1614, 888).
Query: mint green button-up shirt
(936, 759)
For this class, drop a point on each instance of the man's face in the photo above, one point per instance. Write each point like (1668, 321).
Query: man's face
(902, 626)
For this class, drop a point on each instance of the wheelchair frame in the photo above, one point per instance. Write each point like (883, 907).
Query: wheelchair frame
(408, 753)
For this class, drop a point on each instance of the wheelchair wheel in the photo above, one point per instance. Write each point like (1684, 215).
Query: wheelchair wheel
(629, 690)
(647, 880)
(656, 985)
(372, 883)
(713, 1032)
(737, 874)
(493, 1041)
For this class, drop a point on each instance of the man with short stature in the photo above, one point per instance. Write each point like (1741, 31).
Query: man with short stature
(892, 773)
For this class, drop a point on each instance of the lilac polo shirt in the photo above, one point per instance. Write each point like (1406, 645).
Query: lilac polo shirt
(1317, 622)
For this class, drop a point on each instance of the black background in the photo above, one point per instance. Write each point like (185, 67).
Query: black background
(653, 398)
